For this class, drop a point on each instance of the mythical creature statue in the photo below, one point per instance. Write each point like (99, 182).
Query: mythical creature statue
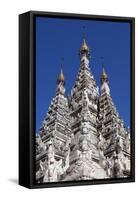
(50, 168)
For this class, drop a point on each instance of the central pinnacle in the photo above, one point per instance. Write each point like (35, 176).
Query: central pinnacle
(84, 49)
(84, 46)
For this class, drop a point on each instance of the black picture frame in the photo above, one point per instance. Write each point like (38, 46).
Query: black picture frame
(27, 98)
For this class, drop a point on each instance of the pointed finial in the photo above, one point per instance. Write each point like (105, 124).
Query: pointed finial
(84, 46)
(104, 77)
(84, 49)
(61, 77)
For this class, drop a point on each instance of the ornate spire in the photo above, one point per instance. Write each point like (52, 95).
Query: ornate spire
(61, 82)
(61, 77)
(104, 77)
(84, 46)
(84, 49)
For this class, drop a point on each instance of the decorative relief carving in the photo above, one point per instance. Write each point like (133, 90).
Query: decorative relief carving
(40, 146)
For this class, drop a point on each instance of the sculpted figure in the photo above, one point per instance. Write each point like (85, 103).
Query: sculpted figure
(127, 164)
(127, 143)
(42, 169)
(120, 142)
(83, 145)
(84, 127)
(85, 99)
(42, 165)
(84, 150)
(101, 148)
(117, 166)
(74, 105)
(67, 153)
(108, 167)
(40, 145)
(57, 145)
(101, 142)
(51, 168)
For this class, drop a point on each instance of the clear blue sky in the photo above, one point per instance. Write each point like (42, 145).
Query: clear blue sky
(61, 38)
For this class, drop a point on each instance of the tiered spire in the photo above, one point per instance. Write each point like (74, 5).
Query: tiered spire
(112, 129)
(84, 79)
(55, 136)
(85, 156)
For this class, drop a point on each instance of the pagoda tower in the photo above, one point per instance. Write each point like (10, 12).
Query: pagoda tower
(115, 137)
(82, 136)
(86, 160)
(52, 143)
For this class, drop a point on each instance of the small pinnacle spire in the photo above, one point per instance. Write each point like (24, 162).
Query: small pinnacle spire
(60, 83)
(61, 77)
(104, 77)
